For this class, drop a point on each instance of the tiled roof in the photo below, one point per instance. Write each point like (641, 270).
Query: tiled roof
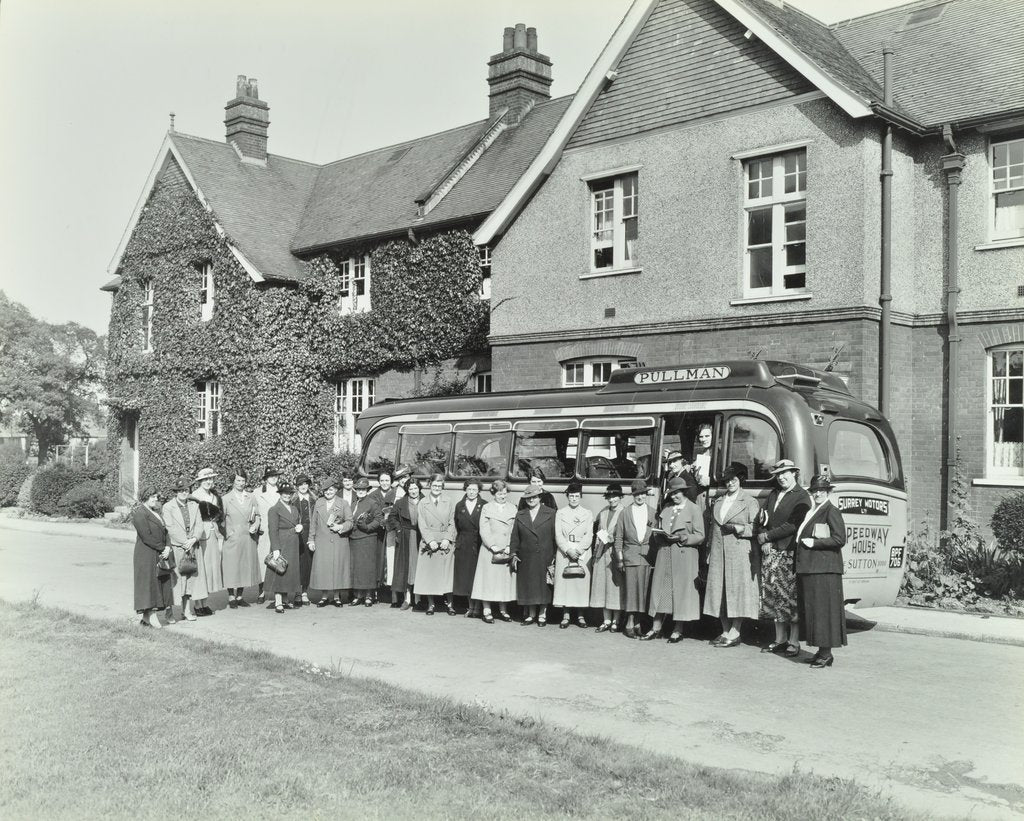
(969, 62)
(258, 207)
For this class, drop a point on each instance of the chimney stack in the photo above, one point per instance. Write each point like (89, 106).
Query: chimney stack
(520, 76)
(246, 119)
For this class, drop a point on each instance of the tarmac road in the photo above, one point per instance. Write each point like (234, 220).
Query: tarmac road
(937, 723)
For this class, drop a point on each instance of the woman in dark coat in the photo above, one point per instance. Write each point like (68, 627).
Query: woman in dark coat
(532, 548)
(368, 517)
(403, 521)
(284, 526)
(467, 544)
(304, 501)
(819, 575)
(154, 589)
(537, 479)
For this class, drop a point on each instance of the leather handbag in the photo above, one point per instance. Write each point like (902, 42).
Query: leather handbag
(279, 565)
(188, 566)
(255, 525)
(166, 565)
(504, 557)
(574, 570)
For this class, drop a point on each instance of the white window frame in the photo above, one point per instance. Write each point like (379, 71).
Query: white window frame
(351, 397)
(148, 294)
(354, 296)
(620, 201)
(485, 271)
(1012, 181)
(207, 296)
(586, 372)
(208, 419)
(482, 382)
(778, 201)
(991, 470)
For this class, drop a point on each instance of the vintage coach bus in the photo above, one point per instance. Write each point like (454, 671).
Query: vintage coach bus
(758, 412)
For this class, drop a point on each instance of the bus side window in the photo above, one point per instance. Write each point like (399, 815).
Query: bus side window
(482, 454)
(553, 451)
(855, 449)
(616, 454)
(426, 452)
(753, 443)
(381, 452)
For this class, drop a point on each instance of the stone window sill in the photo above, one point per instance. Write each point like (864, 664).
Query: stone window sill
(996, 244)
(1010, 481)
(756, 300)
(613, 272)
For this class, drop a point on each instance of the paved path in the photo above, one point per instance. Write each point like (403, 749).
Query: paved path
(937, 723)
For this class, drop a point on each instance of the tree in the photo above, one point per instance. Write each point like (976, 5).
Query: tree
(49, 375)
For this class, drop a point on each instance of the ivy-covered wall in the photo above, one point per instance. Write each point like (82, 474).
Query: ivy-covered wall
(275, 349)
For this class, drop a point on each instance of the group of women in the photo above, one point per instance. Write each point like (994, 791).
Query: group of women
(733, 559)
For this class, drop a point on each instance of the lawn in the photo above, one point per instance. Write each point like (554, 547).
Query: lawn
(105, 720)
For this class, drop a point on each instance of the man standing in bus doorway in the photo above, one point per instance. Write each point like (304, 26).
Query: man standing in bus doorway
(698, 472)
(782, 515)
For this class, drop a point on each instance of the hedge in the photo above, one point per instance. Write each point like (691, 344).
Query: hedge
(13, 473)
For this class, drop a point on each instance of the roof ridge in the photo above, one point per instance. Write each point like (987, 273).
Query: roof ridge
(173, 134)
(404, 143)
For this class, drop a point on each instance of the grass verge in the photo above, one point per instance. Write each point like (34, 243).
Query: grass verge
(104, 720)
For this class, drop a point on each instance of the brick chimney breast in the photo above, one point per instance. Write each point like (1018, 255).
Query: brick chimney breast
(520, 76)
(246, 120)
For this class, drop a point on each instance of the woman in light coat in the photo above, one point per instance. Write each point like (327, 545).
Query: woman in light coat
(494, 582)
(605, 577)
(633, 556)
(266, 498)
(184, 525)
(435, 568)
(328, 541)
(240, 554)
(734, 566)
(574, 537)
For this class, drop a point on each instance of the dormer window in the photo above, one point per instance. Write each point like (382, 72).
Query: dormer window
(147, 316)
(206, 291)
(354, 297)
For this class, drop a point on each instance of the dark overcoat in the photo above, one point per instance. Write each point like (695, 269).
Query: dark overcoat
(533, 542)
(467, 546)
(368, 518)
(154, 588)
(281, 522)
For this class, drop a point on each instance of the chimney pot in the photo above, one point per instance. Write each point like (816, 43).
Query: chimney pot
(519, 76)
(531, 39)
(508, 38)
(520, 38)
(247, 119)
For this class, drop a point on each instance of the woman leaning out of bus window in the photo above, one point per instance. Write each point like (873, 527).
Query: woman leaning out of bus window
(574, 536)
(633, 556)
(537, 480)
(674, 589)
(819, 575)
(734, 567)
(467, 545)
(532, 548)
(436, 563)
(606, 591)
(493, 582)
(403, 521)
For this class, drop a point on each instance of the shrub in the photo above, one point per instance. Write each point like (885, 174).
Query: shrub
(13, 473)
(51, 483)
(1008, 523)
(335, 464)
(85, 501)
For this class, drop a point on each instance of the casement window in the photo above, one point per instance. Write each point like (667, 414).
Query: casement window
(351, 397)
(1007, 161)
(775, 216)
(207, 409)
(1005, 435)
(354, 297)
(147, 316)
(592, 372)
(485, 271)
(614, 206)
(206, 294)
(482, 382)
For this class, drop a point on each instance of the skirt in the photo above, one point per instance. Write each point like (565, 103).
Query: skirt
(403, 571)
(194, 585)
(571, 592)
(606, 583)
(778, 586)
(493, 582)
(332, 564)
(636, 585)
(289, 584)
(674, 583)
(820, 608)
(365, 562)
(434, 573)
(209, 553)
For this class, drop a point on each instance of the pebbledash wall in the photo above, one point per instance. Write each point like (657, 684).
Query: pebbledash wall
(685, 302)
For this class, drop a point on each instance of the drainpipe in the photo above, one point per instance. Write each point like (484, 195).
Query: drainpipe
(885, 286)
(952, 165)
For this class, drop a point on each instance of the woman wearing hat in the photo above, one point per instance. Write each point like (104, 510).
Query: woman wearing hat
(211, 511)
(403, 521)
(537, 479)
(367, 518)
(284, 526)
(184, 524)
(152, 584)
(467, 544)
(674, 589)
(633, 555)
(532, 550)
(734, 568)
(328, 540)
(436, 564)
(783, 511)
(241, 526)
(574, 536)
(304, 501)
(493, 581)
(606, 591)
(266, 498)
(819, 574)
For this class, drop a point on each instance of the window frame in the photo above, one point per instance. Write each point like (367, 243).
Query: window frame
(148, 305)
(352, 272)
(208, 416)
(356, 390)
(485, 271)
(599, 189)
(880, 439)
(482, 379)
(991, 471)
(777, 202)
(589, 365)
(207, 291)
(993, 193)
(722, 442)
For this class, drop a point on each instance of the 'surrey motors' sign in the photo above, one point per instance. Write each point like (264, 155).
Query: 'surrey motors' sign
(700, 374)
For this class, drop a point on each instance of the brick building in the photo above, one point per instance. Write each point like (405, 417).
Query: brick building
(735, 179)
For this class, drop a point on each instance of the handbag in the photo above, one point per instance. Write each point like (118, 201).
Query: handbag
(504, 557)
(166, 565)
(188, 566)
(574, 570)
(254, 525)
(278, 565)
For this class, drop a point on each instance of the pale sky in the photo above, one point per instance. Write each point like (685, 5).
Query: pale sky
(86, 87)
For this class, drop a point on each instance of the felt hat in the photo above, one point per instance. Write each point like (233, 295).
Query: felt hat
(362, 483)
(574, 487)
(613, 489)
(820, 482)
(673, 456)
(736, 471)
(675, 485)
(285, 487)
(638, 487)
(271, 471)
(181, 484)
(782, 466)
(532, 491)
(302, 479)
(205, 473)
(401, 472)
